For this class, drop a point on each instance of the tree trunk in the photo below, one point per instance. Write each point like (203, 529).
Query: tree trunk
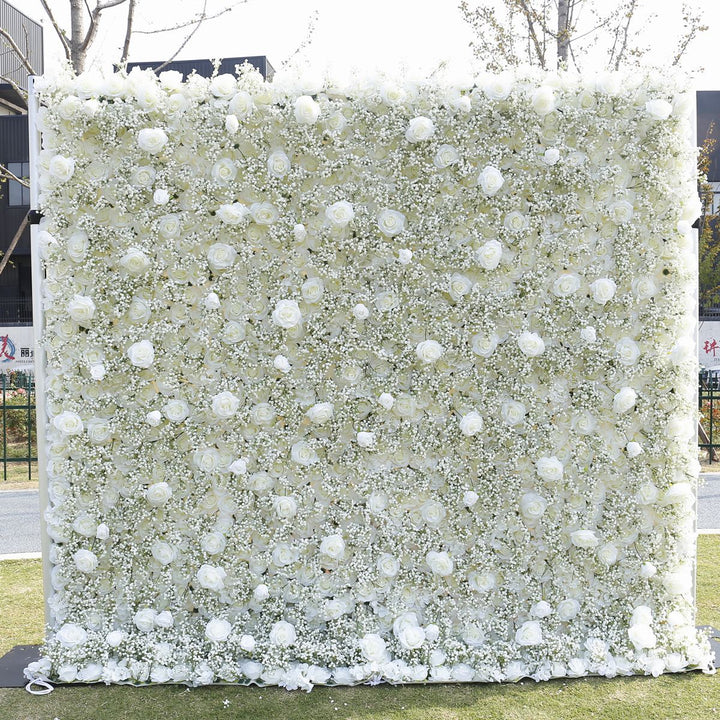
(77, 36)
(563, 31)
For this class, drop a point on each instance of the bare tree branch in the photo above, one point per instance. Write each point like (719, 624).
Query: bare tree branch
(22, 57)
(128, 33)
(530, 18)
(199, 22)
(307, 39)
(8, 175)
(691, 28)
(15, 240)
(7, 79)
(58, 30)
(105, 4)
(181, 26)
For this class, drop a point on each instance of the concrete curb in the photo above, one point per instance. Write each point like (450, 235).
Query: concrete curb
(24, 556)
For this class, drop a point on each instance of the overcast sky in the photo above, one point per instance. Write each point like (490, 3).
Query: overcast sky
(372, 33)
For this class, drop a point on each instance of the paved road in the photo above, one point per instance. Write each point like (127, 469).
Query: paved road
(19, 522)
(20, 516)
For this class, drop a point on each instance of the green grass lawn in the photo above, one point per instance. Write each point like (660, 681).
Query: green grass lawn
(691, 696)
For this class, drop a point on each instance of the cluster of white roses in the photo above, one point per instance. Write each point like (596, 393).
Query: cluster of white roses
(385, 382)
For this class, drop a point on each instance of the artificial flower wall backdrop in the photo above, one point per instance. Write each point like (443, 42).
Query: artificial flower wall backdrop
(386, 382)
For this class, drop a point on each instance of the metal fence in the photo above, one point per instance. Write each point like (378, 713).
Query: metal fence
(19, 434)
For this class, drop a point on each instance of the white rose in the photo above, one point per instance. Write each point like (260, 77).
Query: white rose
(303, 453)
(158, 494)
(361, 312)
(642, 636)
(241, 105)
(568, 609)
(213, 543)
(218, 630)
(445, 156)
(541, 609)
(678, 582)
(283, 633)
(169, 226)
(603, 290)
(114, 638)
(221, 256)
(498, 87)
(312, 290)
(238, 467)
(85, 561)
(405, 256)
(307, 111)
(224, 171)
(647, 570)
(429, 351)
(141, 354)
(386, 400)
(263, 414)
(278, 164)
(512, 412)
(470, 497)
(621, 212)
(212, 301)
(62, 168)
(490, 180)
(247, 643)
(387, 300)
(281, 363)
(232, 124)
(641, 615)
(365, 439)
(531, 344)
(287, 314)
(566, 284)
(211, 577)
(411, 637)
(440, 563)
(658, 109)
(532, 506)
(460, 285)
(624, 400)
(644, 287)
(71, 635)
(588, 334)
(391, 222)
(68, 423)
(374, 649)
(420, 129)
(320, 412)
(471, 423)
(143, 176)
(176, 410)
(484, 345)
(549, 468)
(679, 493)
(161, 196)
(551, 156)
(163, 552)
(608, 554)
(152, 140)
(627, 350)
(77, 246)
(261, 592)
(489, 255)
(225, 404)
(584, 539)
(529, 634)
(634, 449)
(543, 100)
(233, 332)
(145, 619)
(333, 546)
(153, 418)
(232, 214)
(388, 565)
(135, 261)
(285, 506)
(340, 213)
(481, 582)
(299, 232)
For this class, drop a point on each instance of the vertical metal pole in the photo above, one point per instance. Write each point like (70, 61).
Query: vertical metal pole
(38, 276)
(695, 318)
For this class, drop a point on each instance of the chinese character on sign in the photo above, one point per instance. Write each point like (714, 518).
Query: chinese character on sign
(711, 346)
(26, 352)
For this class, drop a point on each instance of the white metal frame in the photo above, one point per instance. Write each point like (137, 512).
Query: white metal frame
(38, 281)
